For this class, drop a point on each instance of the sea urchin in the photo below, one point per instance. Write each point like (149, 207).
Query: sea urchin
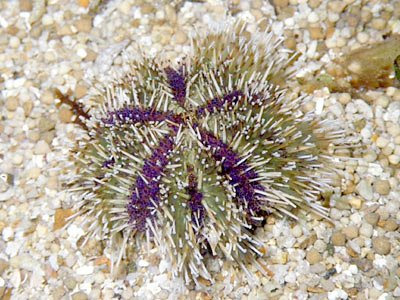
(193, 156)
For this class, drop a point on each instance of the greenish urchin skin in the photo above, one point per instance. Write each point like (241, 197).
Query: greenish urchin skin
(287, 150)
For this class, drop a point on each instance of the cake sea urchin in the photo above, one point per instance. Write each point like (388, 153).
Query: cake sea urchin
(192, 156)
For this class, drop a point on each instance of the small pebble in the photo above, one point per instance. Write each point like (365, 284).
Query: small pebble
(84, 24)
(313, 256)
(47, 97)
(3, 265)
(350, 232)
(381, 245)
(394, 159)
(297, 231)
(125, 7)
(366, 230)
(79, 296)
(338, 239)
(41, 148)
(390, 225)
(14, 42)
(382, 187)
(381, 142)
(70, 283)
(364, 189)
(25, 5)
(12, 103)
(355, 202)
(65, 115)
(372, 218)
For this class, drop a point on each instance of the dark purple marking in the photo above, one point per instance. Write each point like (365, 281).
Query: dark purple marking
(176, 81)
(108, 163)
(196, 197)
(139, 115)
(145, 196)
(135, 115)
(218, 103)
(239, 177)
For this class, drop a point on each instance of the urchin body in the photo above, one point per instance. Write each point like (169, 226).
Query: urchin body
(194, 156)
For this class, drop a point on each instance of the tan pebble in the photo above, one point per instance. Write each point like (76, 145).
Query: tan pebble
(135, 23)
(25, 5)
(344, 98)
(125, 7)
(351, 232)
(64, 30)
(381, 245)
(355, 202)
(84, 3)
(378, 24)
(256, 3)
(290, 43)
(381, 142)
(338, 239)
(27, 106)
(47, 97)
(316, 33)
(366, 15)
(317, 290)
(33, 135)
(50, 56)
(14, 42)
(387, 150)
(313, 256)
(170, 14)
(257, 14)
(314, 3)
(90, 55)
(313, 17)
(147, 8)
(394, 159)
(382, 187)
(281, 3)
(47, 20)
(204, 281)
(80, 91)
(12, 103)
(65, 115)
(3, 265)
(180, 37)
(52, 183)
(60, 217)
(46, 124)
(336, 6)
(84, 24)
(17, 159)
(372, 218)
(79, 296)
(34, 173)
(102, 260)
(41, 148)
(390, 225)
(383, 101)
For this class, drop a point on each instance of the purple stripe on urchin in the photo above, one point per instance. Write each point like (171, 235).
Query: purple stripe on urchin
(145, 193)
(140, 115)
(240, 179)
(196, 197)
(177, 83)
(108, 163)
(135, 115)
(218, 103)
